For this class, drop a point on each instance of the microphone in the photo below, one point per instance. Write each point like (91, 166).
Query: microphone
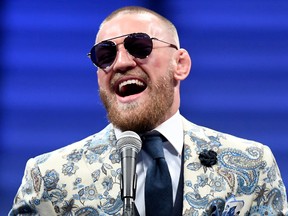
(128, 145)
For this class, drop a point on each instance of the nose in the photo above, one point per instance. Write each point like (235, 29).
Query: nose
(123, 61)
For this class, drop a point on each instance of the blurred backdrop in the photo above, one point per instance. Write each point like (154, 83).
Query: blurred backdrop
(49, 96)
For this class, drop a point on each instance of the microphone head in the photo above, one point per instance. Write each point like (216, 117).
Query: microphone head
(129, 139)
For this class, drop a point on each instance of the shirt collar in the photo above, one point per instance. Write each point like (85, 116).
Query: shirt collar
(171, 129)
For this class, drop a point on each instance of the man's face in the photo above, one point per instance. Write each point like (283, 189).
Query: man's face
(138, 94)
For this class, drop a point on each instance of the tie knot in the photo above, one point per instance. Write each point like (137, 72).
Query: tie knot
(153, 144)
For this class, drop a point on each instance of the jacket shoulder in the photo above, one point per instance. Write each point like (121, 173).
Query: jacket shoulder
(204, 134)
(104, 138)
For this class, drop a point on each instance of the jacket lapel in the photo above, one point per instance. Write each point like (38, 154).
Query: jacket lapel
(106, 170)
(195, 174)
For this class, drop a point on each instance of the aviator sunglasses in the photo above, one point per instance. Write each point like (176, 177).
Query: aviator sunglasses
(139, 45)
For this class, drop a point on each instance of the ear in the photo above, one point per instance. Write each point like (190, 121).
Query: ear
(184, 64)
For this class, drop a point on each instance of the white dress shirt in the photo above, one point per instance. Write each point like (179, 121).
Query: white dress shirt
(172, 130)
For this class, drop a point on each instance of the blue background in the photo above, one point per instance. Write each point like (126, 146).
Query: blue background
(49, 97)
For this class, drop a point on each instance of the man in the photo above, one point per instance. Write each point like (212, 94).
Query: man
(140, 67)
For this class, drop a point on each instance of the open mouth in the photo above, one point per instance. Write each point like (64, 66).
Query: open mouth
(130, 87)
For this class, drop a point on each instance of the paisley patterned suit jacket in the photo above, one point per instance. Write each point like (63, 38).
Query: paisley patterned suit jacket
(83, 178)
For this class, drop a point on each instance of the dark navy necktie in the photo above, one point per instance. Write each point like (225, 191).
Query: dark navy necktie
(158, 185)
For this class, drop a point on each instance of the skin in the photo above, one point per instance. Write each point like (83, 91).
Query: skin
(161, 71)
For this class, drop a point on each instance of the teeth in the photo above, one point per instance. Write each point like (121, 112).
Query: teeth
(128, 82)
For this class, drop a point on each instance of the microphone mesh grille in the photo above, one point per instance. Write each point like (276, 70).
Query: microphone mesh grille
(129, 139)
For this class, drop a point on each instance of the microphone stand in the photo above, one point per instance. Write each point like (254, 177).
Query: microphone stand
(129, 208)
(128, 196)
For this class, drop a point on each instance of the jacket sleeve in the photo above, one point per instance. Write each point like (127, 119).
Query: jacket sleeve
(29, 198)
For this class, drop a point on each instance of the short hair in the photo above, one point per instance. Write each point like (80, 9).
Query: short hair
(141, 10)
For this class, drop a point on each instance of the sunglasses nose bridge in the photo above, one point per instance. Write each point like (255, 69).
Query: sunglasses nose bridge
(123, 58)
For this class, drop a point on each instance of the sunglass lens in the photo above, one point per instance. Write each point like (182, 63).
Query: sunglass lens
(103, 54)
(139, 45)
